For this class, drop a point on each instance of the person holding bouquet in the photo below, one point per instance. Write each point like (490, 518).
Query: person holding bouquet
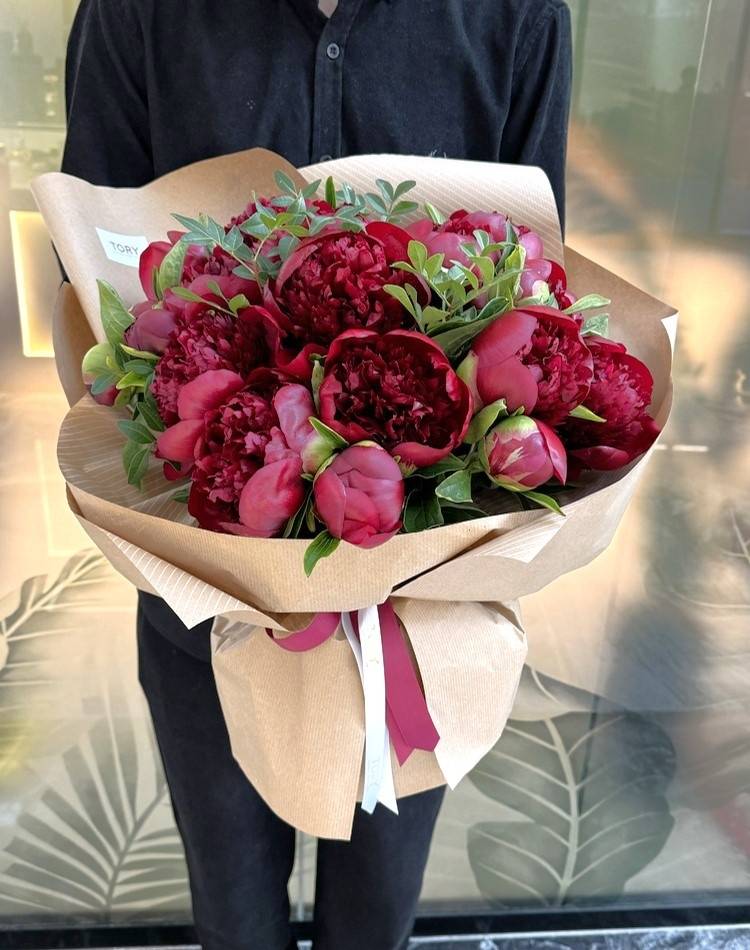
(152, 85)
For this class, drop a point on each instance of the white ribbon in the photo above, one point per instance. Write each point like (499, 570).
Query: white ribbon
(368, 652)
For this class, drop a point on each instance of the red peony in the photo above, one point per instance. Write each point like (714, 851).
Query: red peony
(535, 358)
(334, 282)
(399, 390)
(204, 339)
(620, 393)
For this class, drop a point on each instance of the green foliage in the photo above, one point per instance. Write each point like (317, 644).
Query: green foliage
(323, 545)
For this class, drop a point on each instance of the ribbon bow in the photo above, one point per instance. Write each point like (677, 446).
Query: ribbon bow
(395, 707)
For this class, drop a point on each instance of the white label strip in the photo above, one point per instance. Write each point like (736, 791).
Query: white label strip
(122, 248)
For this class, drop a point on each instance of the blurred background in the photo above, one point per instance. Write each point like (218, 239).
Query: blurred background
(623, 779)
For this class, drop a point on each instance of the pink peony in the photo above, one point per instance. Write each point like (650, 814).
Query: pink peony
(524, 453)
(359, 496)
(534, 358)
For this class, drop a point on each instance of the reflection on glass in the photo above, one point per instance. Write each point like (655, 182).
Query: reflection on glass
(624, 776)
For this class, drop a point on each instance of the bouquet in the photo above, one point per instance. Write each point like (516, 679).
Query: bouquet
(341, 369)
(383, 351)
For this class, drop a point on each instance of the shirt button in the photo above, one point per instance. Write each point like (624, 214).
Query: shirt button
(333, 51)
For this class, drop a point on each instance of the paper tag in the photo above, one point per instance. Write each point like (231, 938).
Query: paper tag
(122, 248)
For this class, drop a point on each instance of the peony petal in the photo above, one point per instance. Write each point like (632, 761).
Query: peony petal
(150, 259)
(294, 406)
(207, 391)
(178, 442)
(509, 380)
(271, 496)
(556, 450)
(330, 501)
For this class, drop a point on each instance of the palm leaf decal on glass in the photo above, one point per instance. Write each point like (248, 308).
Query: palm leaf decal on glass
(101, 839)
(35, 618)
(591, 788)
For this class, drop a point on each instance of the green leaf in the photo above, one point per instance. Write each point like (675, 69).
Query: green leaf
(402, 187)
(285, 183)
(456, 487)
(114, 313)
(170, 269)
(135, 459)
(331, 192)
(397, 291)
(309, 190)
(131, 379)
(316, 380)
(190, 295)
(322, 546)
(136, 431)
(182, 494)
(581, 412)
(598, 325)
(333, 437)
(403, 207)
(99, 360)
(588, 302)
(454, 513)
(148, 410)
(422, 511)
(298, 520)
(433, 214)
(454, 341)
(238, 302)
(451, 463)
(139, 367)
(417, 255)
(484, 420)
(141, 354)
(546, 501)
(103, 383)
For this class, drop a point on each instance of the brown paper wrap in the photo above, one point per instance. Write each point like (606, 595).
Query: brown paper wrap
(296, 720)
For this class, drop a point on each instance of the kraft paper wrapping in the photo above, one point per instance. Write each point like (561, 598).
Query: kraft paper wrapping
(296, 720)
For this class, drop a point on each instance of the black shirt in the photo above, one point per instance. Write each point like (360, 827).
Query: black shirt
(152, 85)
(156, 84)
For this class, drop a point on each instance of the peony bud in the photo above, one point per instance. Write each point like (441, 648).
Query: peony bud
(152, 327)
(359, 496)
(523, 453)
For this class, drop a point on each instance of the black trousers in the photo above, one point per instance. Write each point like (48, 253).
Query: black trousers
(239, 853)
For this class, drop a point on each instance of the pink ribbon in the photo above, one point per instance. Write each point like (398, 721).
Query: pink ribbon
(410, 725)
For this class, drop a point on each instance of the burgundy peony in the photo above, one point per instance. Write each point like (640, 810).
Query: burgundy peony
(524, 453)
(620, 393)
(205, 339)
(334, 282)
(246, 476)
(397, 389)
(359, 496)
(535, 358)
(153, 325)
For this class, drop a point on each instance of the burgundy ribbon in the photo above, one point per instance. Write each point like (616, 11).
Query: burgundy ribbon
(410, 725)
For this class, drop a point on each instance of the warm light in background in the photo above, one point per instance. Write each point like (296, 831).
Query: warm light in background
(37, 280)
